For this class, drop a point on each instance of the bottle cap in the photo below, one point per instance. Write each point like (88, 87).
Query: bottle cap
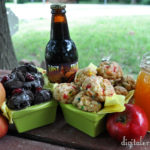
(58, 6)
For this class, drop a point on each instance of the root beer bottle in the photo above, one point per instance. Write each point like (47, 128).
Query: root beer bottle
(61, 55)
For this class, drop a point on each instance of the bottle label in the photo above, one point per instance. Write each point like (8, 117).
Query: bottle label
(62, 73)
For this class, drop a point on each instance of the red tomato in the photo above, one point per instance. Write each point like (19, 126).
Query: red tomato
(131, 124)
(3, 126)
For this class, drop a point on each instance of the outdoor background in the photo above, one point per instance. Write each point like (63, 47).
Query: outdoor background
(118, 29)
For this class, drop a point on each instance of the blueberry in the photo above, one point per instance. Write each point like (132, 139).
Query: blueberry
(20, 100)
(31, 68)
(42, 96)
(38, 76)
(32, 85)
(25, 68)
(21, 68)
(12, 84)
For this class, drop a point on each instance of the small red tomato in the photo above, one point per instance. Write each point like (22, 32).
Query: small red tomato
(130, 124)
(3, 126)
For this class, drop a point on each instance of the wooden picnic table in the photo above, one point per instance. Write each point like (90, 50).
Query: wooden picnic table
(61, 136)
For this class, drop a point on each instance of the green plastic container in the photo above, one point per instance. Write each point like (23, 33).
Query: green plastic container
(35, 116)
(89, 123)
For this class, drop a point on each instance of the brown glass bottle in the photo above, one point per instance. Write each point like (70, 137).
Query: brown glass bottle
(61, 55)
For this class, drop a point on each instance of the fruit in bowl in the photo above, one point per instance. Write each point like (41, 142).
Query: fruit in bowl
(98, 91)
(28, 104)
(24, 87)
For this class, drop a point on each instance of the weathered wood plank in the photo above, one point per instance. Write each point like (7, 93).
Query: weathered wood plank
(4, 72)
(60, 133)
(15, 143)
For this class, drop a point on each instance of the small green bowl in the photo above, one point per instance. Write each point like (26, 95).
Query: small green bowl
(35, 116)
(87, 122)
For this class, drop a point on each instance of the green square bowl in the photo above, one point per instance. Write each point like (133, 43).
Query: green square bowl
(35, 116)
(87, 122)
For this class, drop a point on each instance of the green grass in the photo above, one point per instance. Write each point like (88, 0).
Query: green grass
(125, 39)
(97, 2)
(89, 2)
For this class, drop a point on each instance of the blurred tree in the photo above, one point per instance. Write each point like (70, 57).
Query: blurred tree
(7, 56)
(121, 1)
(133, 1)
(15, 1)
(105, 1)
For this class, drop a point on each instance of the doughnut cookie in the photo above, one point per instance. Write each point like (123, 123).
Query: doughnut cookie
(120, 90)
(65, 92)
(82, 74)
(86, 103)
(98, 88)
(128, 82)
(110, 70)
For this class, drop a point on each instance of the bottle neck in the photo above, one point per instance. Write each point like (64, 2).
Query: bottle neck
(59, 27)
